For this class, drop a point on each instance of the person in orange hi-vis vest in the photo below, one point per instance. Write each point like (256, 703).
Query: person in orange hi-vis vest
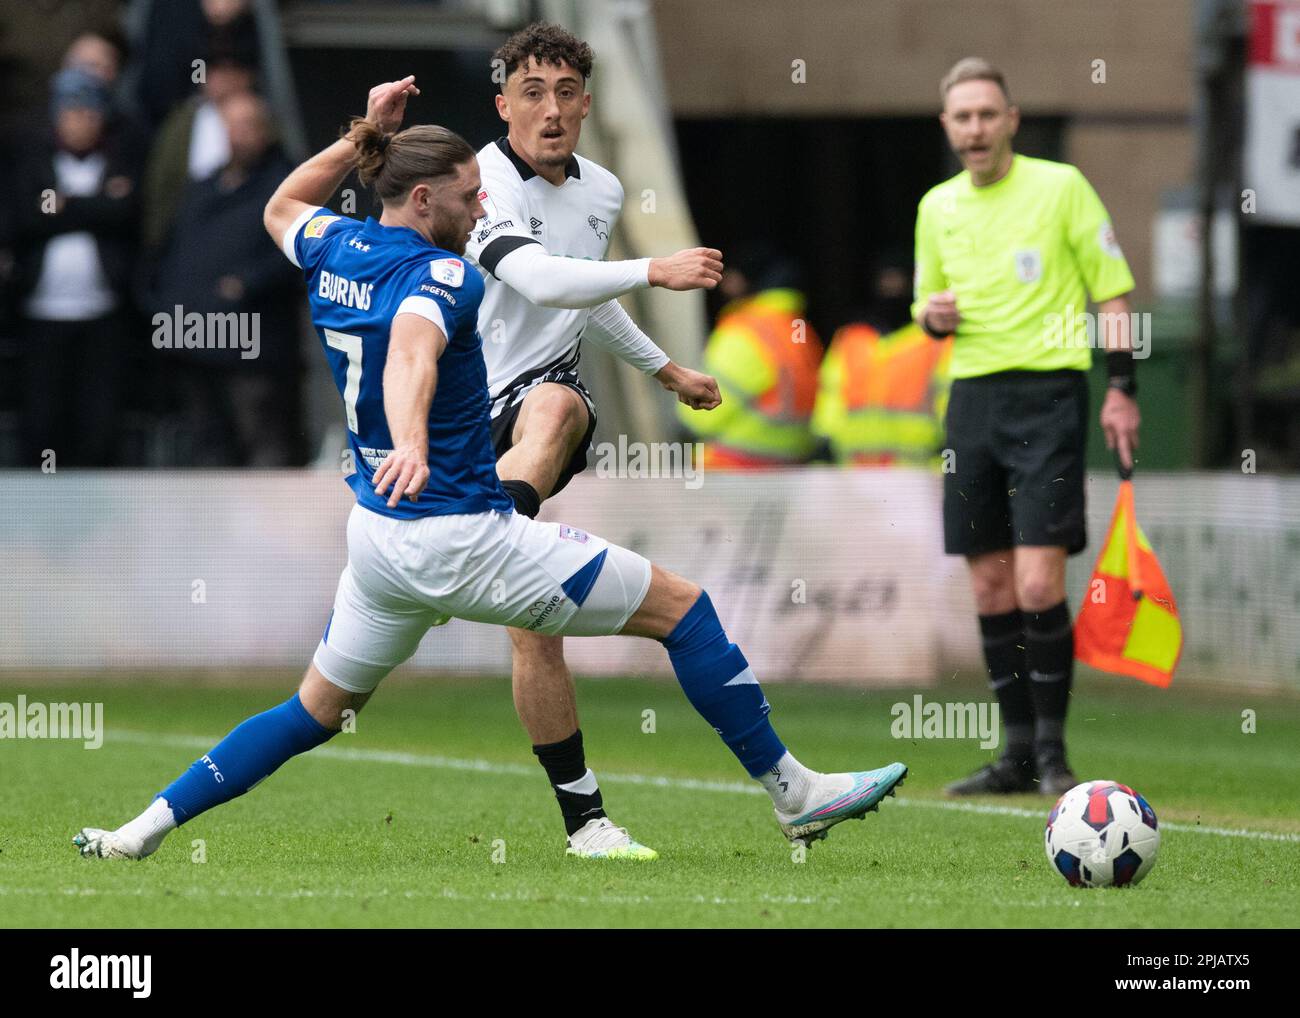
(765, 356)
(882, 398)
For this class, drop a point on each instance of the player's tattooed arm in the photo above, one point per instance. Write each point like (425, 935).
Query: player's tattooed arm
(410, 378)
(313, 183)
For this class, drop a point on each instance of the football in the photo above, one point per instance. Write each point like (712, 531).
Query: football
(1102, 834)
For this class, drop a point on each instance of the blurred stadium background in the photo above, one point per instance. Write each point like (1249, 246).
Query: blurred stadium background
(192, 515)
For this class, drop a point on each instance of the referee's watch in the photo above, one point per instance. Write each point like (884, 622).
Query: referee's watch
(1127, 384)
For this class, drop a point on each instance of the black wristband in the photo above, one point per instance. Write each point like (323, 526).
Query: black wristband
(1121, 371)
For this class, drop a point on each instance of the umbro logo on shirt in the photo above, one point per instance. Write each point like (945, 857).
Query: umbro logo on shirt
(536, 225)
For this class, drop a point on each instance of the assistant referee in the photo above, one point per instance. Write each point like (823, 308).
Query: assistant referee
(1006, 251)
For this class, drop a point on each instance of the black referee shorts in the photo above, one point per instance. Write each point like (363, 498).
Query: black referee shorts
(503, 424)
(1017, 473)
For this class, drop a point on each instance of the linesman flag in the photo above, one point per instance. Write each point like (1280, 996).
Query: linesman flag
(1129, 623)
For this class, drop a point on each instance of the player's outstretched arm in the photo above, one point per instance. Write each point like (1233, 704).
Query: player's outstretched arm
(554, 281)
(312, 183)
(693, 388)
(612, 327)
(410, 377)
(694, 268)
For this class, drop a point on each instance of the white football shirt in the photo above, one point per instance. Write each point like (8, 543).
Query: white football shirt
(522, 341)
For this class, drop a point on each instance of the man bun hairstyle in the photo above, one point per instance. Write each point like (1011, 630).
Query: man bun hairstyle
(972, 69)
(547, 44)
(394, 163)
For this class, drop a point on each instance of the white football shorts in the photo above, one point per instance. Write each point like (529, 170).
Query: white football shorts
(404, 576)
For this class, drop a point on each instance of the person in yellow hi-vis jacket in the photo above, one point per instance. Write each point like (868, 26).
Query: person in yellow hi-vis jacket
(882, 399)
(765, 356)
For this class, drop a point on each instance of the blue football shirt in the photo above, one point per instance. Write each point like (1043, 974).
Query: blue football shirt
(360, 276)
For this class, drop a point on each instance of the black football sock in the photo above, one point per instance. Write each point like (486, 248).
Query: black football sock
(1049, 650)
(575, 786)
(524, 495)
(1004, 654)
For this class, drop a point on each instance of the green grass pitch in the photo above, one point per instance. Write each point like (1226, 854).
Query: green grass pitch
(434, 813)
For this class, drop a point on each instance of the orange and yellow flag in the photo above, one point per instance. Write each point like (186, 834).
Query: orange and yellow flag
(1129, 623)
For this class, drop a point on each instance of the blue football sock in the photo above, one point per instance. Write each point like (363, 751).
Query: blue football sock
(720, 685)
(244, 757)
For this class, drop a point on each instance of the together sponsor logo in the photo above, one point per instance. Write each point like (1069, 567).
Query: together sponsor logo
(35, 720)
(683, 460)
(77, 971)
(438, 291)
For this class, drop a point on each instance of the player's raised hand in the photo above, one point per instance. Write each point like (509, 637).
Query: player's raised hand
(694, 388)
(941, 312)
(387, 103)
(407, 470)
(695, 268)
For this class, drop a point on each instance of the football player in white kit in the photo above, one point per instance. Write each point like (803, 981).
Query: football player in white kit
(433, 532)
(541, 247)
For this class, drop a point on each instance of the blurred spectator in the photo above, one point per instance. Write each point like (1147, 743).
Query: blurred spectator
(884, 383)
(239, 409)
(177, 33)
(33, 39)
(103, 52)
(765, 355)
(72, 235)
(193, 142)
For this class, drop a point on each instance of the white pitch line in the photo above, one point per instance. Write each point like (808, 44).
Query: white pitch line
(655, 781)
(528, 897)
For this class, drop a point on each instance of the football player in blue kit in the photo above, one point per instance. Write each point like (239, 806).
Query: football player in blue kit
(433, 534)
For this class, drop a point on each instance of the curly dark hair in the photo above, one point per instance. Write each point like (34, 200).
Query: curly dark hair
(548, 44)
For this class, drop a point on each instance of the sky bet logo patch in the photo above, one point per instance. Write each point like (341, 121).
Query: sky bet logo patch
(450, 271)
(316, 227)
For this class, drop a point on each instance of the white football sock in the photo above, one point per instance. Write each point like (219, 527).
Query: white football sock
(150, 827)
(788, 783)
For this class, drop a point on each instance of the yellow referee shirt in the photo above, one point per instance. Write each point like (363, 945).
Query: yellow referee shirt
(1022, 257)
